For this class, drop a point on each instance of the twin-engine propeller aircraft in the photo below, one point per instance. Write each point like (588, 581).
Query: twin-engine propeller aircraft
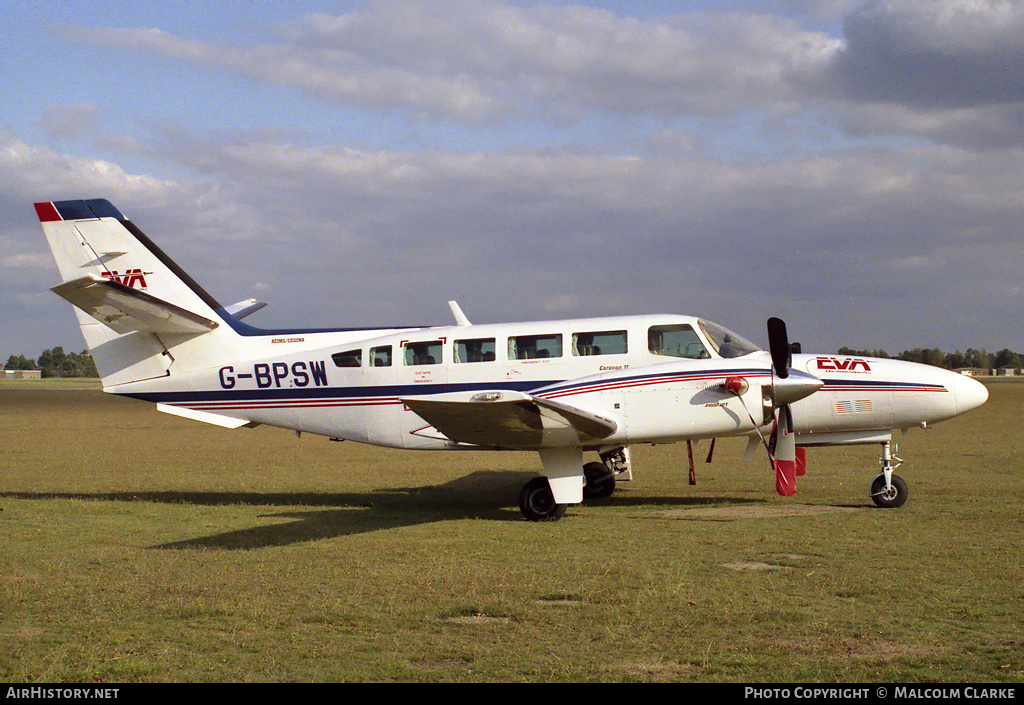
(559, 388)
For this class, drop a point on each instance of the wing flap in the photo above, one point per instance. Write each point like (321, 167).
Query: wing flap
(125, 310)
(204, 416)
(506, 419)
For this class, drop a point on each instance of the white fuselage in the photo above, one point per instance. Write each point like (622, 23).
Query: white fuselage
(349, 386)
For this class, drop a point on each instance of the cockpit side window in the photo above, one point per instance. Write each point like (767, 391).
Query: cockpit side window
(725, 342)
(679, 340)
(349, 358)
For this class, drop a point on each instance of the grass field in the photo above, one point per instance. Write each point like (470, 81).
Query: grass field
(142, 547)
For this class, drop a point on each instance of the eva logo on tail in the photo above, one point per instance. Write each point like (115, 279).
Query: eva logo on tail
(135, 278)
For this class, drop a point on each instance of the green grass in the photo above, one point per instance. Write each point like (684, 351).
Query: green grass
(143, 547)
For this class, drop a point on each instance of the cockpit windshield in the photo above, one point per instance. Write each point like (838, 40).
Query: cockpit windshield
(676, 340)
(725, 342)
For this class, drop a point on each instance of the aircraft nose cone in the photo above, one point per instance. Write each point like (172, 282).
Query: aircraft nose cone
(970, 393)
(795, 387)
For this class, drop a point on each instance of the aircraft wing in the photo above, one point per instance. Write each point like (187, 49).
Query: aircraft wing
(126, 310)
(512, 420)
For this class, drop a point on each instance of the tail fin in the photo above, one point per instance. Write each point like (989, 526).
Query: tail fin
(140, 314)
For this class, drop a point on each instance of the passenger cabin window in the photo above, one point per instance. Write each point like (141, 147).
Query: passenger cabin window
(609, 342)
(475, 350)
(380, 356)
(349, 358)
(676, 341)
(529, 347)
(423, 353)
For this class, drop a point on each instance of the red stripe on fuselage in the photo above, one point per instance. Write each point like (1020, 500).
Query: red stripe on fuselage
(642, 382)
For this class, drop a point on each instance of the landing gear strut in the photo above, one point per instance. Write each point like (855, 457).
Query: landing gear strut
(888, 490)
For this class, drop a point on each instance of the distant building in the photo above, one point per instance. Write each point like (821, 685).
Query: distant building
(1008, 372)
(974, 371)
(21, 374)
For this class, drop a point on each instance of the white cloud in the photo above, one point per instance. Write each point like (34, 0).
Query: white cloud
(932, 56)
(41, 173)
(834, 235)
(372, 236)
(28, 261)
(475, 60)
(949, 70)
(73, 121)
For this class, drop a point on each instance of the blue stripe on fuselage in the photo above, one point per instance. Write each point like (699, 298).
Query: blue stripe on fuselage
(544, 387)
(325, 393)
(251, 331)
(832, 385)
(402, 390)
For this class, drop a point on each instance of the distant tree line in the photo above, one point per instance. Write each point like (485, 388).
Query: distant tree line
(978, 359)
(56, 363)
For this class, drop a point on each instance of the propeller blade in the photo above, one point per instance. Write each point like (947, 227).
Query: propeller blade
(784, 453)
(778, 344)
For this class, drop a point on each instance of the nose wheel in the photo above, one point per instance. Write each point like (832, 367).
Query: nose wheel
(887, 489)
(888, 496)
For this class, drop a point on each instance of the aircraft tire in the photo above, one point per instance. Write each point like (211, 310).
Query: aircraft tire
(537, 502)
(599, 481)
(894, 497)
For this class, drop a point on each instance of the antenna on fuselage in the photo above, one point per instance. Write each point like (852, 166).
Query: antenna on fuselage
(460, 317)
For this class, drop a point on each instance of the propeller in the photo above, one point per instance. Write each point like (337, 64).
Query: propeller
(782, 443)
(788, 386)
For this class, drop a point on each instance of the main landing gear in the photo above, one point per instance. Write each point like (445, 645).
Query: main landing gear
(537, 499)
(888, 490)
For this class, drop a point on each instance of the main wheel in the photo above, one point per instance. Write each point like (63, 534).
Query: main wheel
(889, 497)
(599, 481)
(537, 501)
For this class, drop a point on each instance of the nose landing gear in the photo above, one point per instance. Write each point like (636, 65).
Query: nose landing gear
(888, 490)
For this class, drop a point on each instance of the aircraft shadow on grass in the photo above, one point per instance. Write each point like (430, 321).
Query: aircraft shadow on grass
(479, 495)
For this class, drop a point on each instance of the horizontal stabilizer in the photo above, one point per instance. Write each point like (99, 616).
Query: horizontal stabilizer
(507, 419)
(125, 310)
(244, 308)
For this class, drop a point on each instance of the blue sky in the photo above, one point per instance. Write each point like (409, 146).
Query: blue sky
(854, 167)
